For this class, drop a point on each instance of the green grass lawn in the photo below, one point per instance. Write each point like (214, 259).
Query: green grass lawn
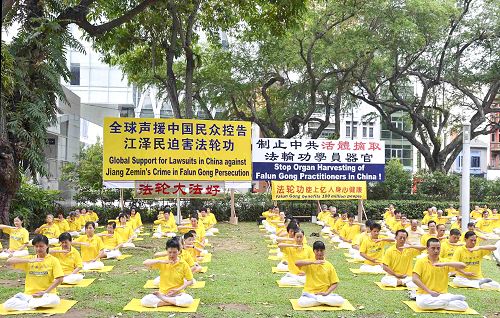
(240, 283)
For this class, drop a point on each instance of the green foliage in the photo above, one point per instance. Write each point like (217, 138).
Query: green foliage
(397, 183)
(33, 204)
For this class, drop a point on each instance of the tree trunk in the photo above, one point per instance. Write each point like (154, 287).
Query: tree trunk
(189, 82)
(10, 179)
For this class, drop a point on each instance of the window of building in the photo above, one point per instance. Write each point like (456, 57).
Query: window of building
(475, 161)
(75, 74)
(351, 125)
(401, 152)
(368, 130)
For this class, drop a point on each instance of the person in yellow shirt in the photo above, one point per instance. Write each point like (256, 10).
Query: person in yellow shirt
(457, 224)
(430, 216)
(349, 232)
(208, 219)
(166, 227)
(321, 280)
(74, 224)
(61, 223)
(296, 251)
(49, 229)
(472, 228)
(431, 277)
(323, 215)
(175, 277)
(18, 239)
(337, 226)
(90, 246)
(80, 220)
(92, 215)
(472, 255)
(398, 262)
(415, 233)
(111, 242)
(440, 218)
(43, 274)
(125, 231)
(485, 224)
(69, 258)
(358, 239)
(389, 212)
(449, 246)
(136, 218)
(432, 232)
(452, 212)
(476, 213)
(196, 226)
(372, 250)
(441, 232)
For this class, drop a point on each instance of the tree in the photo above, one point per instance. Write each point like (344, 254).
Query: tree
(163, 50)
(32, 67)
(284, 82)
(85, 176)
(397, 183)
(449, 53)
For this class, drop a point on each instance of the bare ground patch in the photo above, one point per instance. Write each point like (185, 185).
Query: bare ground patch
(11, 283)
(234, 306)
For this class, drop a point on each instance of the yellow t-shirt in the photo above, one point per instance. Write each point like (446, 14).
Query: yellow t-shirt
(471, 259)
(137, 219)
(339, 224)
(476, 214)
(17, 237)
(212, 218)
(93, 217)
(358, 239)
(111, 242)
(373, 249)
(485, 225)
(74, 226)
(401, 262)
(427, 218)
(319, 277)
(167, 225)
(125, 232)
(294, 254)
(441, 220)
(50, 232)
(455, 225)
(89, 253)
(62, 225)
(173, 275)
(397, 225)
(425, 238)
(349, 232)
(40, 275)
(388, 214)
(200, 232)
(452, 212)
(447, 250)
(81, 221)
(187, 257)
(69, 261)
(435, 278)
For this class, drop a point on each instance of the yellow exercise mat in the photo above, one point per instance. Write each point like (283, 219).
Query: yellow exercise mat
(358, 271)
(83, 283)
(62, 308)
(208, 245)
(379, 284)
(135, 305)
(105, 269)
(274, 258)
(138, 239)
(123, 256)
(413, 306)
(353, 260)
(345, 306)
(144, 234)
(207, 258)
(276, 270)
(451, 284)
(274, 251)
(204, 269)
(272, 245)
(288, 286)
(197, 285)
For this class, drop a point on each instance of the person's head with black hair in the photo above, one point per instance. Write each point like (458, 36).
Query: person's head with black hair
(350, 217)
(441, 230)
(111, 226)
(368, 223)
(470, 238)
(375, 230)
(90, 228)
(454, 235)
(299, 236)
(132, 211)
(414, 225)
(188, 239)
(401, 236)
(471, 226)
(18, 221)
(173, 247)
(41, 244)
(194, 220)
(122, 218)
(65, 240)
(319, 250)
(431, 225)
(397, 214)
(60, 215)
(433, 248)
(49, 219)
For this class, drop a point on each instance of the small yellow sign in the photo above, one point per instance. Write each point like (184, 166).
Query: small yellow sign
(176, 149)
(318, 190)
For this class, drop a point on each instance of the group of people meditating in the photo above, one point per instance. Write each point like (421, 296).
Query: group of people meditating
(56, 260)
(388, 247)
